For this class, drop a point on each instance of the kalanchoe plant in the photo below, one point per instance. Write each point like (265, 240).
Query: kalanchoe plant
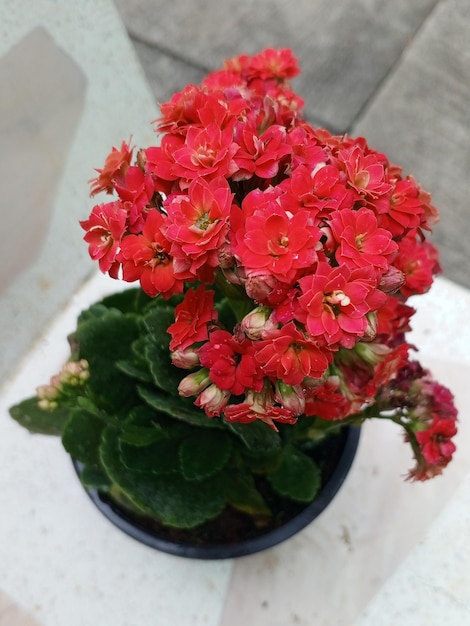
(275, 261)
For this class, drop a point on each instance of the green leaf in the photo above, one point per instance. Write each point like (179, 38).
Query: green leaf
(36, 420)
(165, 375)
(102, 342)
(178, 407)
(243, 495)
(172, 499)
(132, 300)
(204, 453)
(297, 477)
(258, 438)
(142, 428)
(94, 477)
(82, 435)
(157, 320)
(134, 370)
(159, 458)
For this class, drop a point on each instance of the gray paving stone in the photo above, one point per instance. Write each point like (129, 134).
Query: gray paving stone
(421, 119)
(345, 48)
(166, 74)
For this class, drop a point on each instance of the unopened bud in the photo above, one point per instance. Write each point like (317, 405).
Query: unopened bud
(290, 397)
(185, 359)
(194, 383)
(392, 280)
(256, 322)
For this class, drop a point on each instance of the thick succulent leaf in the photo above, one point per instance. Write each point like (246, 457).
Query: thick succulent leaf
(36, 420)
(142, 427)
(178, 407)
(297, 477)
(82, 435)
(204, 453)
(172, 499)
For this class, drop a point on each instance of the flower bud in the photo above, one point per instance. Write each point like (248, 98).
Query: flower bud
(256, 322)
(371, 329)
(290, 397)
(259, 286)
(392, 280)
(213, 400)
(194, 383)
(225, 256)
(185, 359)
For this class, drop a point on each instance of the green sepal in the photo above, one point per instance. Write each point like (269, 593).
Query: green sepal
(37, 420)
(82, 436)
(204, 453)
(297, 477)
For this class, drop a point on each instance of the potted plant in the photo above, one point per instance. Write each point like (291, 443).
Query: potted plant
(222, 397)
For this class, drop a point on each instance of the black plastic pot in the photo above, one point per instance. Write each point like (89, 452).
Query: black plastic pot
(141, 532)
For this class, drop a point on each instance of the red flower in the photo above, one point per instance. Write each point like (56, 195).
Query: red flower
(114, 169)
(272, 64)
(146, 257)
(269, 240)
(288, 355)
(360, 242)
(136, 191)
(192, 317)
(262, 155)
(206, 152)
(366, 175)
(258, 406)
(105, 228)
(419, 261)
(436, 447)
(197, 225)
(231, 363)
(334, 302)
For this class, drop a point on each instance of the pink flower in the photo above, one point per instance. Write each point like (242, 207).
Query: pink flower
(334, 302)
(105, 228)
(436, 447)
(192, 317)
(146, 257)
(289, 355)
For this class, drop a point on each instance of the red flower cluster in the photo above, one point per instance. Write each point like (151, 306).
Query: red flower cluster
(319, 235)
